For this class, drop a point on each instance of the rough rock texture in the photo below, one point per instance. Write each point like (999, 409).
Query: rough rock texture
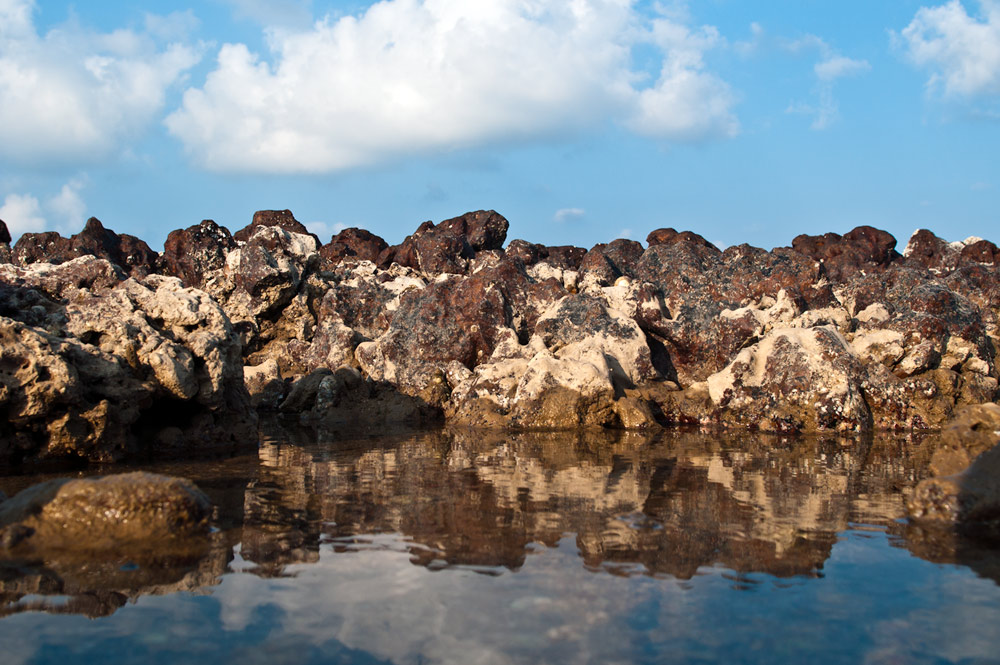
(282, 219)
(864, 248)
(196, 253)
(965, 487)
(4, 233)
(450, 246)
(837, 332)
(127, 252)
(98, 369)
(353, 243)
(107, 513)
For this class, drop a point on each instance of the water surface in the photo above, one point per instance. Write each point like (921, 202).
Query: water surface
(471, 547)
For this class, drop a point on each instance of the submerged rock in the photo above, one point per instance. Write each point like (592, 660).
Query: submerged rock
(965, 487)
(128, 510)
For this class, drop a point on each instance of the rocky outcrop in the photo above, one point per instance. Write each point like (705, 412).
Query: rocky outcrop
(449, 246)
(862, 249)
(837, 332)
(127, 252)
(96, 368)
(136, 509)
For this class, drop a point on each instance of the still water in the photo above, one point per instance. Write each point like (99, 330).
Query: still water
(537, 548)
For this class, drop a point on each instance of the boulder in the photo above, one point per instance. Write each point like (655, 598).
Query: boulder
(282, 219)
(927, 251)
(353, 243)
(863, 248)
(964, 488)
(104, 513)
(449, 246)
(4, 234)
(670, 236)
(197, 253)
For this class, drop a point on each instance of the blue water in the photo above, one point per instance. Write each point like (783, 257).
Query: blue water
(546, 549)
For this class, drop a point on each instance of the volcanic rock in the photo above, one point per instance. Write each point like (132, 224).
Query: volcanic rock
(103, 372)
(353, 243)
(196, 253)
(863, 248)
(282, 219)
(128, 252)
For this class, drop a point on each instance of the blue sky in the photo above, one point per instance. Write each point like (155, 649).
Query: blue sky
(580, 121)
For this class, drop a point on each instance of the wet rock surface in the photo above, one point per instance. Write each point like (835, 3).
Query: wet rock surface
(92, 514)
(964, 489)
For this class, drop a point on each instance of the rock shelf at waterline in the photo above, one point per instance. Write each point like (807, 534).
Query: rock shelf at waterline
(110, 349)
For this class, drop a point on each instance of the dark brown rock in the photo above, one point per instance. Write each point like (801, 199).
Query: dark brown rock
(46, 247)
(196, 252)
(863, 248)
(483, 229)
(981, 251)
(352, 243)
(128, 252)
(449, 246)
(4, 233)
(283, 219)
(670, 236)
(607, 262)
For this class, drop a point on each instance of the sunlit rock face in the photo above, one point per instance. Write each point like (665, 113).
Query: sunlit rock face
(96, 366)
(835, 333)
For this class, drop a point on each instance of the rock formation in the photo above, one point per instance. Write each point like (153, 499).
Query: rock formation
(837, 332)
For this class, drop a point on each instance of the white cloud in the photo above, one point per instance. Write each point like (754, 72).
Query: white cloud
(567, 214)
(412, 76)
(73, 95)
(23, 214)
(68, 207)
(830, 67)
(838, 66)
(961, 51)
(64, 211)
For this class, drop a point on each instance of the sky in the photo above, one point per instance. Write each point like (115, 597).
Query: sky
(580, 121)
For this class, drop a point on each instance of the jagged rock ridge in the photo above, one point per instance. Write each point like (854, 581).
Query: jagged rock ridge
(834, 333)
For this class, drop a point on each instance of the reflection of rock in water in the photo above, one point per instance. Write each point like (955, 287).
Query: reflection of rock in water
(670, 503)
(74, 583)
(940, 545)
